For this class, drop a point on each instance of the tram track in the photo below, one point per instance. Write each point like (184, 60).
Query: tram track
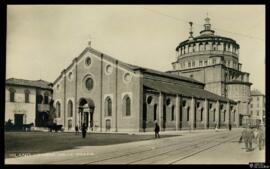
(132, 158)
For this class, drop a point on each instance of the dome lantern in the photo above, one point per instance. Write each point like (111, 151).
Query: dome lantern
(207, 27)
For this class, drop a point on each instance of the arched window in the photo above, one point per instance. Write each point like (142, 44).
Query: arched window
(184, 103)
(155, 111)
(234, 116)
(224, 115)
(149, 99)
(58, 109)
(214, 115)
(26, 96)
(46, 98)
(202, 114)
(70, 108)
(172, 118)
(127, 106)
(188, 114)
(108, 106)
(12, 95)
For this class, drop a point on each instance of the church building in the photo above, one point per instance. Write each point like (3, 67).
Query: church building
(109, 95)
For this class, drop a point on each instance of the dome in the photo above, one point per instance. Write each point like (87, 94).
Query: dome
(206, 49)
(207, 35)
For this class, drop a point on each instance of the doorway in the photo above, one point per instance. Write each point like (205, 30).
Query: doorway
(18, 121)
(86, 110)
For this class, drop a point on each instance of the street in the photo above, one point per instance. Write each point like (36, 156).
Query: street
(208, 147)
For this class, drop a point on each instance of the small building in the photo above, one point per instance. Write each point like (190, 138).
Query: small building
(27, 101)
(257, 107)
(109, 95)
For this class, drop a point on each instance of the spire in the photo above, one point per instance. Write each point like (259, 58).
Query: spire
(190, 31)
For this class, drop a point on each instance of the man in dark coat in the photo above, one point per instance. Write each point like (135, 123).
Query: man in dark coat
(230, 127)
(157, 129)
(84, 128)
(76, 130)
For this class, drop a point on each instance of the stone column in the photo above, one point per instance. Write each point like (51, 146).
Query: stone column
(177, 108)
(192, 113)
(217, 117)
(205, 117)
(227, 116)
(160, 109)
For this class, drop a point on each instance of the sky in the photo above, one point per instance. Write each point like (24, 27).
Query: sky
(42, 40)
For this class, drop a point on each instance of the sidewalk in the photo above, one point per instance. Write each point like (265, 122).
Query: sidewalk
(179, 132)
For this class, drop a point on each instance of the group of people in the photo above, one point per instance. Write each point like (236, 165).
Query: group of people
(251, 134)
(83, 128)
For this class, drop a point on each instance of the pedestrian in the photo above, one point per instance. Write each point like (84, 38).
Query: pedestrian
(244, 137)
(84, 128)
(230, 127)
(260, 137)
(157, 129)
(248, 136)
(76, 130)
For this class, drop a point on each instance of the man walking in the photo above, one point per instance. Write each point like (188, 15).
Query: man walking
(84, 128)
(250, 138)
(157, 129)
(247, 136)
(76, 130)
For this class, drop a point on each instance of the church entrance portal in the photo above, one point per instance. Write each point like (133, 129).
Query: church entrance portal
(86, 111)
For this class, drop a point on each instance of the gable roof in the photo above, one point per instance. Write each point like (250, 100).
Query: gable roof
(183, 90)
(131, 67)
(30, 83)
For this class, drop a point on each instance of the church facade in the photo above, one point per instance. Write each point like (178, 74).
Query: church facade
(109, 95)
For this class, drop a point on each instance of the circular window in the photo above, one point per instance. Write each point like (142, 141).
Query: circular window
(168, 102)
(89, 83)
(184, 103)
(149, 99)
(109, 69)
(88, 61)
(127, 77)
(70, 75)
